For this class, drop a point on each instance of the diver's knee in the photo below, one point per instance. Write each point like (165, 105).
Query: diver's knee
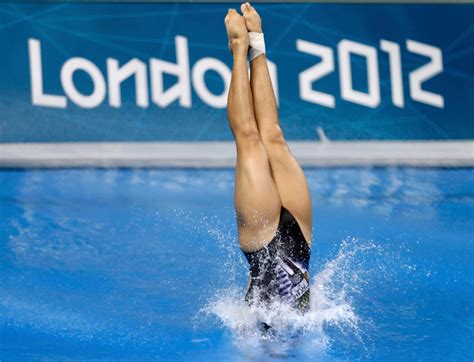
(247, 136)
(273, 136)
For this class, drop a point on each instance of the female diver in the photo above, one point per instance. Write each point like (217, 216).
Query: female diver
(272, 199)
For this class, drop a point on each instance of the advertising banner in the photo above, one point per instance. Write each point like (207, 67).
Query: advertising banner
(161, 71)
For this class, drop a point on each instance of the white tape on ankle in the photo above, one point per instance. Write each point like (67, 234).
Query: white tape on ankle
(257, 44)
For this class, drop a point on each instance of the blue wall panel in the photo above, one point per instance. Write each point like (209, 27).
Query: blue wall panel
(435, 42)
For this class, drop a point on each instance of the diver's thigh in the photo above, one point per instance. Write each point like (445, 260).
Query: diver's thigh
(292, 186)
(256, 198)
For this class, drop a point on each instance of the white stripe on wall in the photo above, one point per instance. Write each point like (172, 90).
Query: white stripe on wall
(222, 154)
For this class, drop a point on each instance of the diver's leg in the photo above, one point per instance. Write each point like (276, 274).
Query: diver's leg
(287, 173)
(256, 198)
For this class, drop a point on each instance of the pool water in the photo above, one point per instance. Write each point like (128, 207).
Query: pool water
(144, 264)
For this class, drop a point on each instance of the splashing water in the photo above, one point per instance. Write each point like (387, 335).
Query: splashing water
(293, 333)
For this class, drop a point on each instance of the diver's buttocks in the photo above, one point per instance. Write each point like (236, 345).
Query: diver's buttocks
(269, 182)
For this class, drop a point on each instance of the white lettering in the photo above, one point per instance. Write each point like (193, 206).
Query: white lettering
(425, 72)
(310, 75)
(98, 92)
(393, 50)
(182, 89)
(344, 50)
(199, 70)
(38, 98)
(116, 75)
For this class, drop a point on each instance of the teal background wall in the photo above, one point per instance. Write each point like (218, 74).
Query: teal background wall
(98, 32)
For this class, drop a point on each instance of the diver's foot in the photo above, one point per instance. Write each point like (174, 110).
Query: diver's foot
(236, 31)
(253, 21)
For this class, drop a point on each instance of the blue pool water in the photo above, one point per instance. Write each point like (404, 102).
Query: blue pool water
(144, 265)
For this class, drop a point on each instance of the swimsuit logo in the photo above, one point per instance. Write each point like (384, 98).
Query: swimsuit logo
(299, 278)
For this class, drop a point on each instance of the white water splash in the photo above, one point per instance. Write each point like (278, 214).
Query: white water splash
(331, 305)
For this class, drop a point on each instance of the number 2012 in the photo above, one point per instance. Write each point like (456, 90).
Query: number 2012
(372, 98)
